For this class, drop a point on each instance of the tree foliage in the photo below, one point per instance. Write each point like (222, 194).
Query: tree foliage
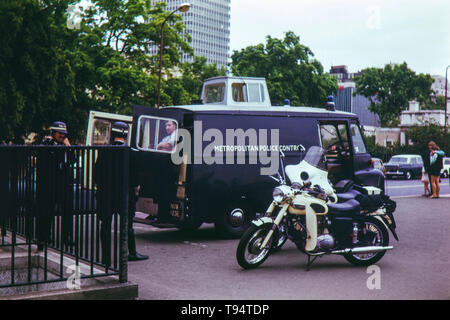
(52, 72)
(37, 77)
(289, 68)
(390, 89)
(437, 103)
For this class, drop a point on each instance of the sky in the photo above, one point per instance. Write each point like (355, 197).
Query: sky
(356, 33)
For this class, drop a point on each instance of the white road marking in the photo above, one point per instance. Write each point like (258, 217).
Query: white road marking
(405, 186)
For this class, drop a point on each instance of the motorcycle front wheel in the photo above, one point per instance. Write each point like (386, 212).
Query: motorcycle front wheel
(371, 233)
(249, 254)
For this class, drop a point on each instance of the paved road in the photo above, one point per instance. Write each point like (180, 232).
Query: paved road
(202, 266)
(402, 188)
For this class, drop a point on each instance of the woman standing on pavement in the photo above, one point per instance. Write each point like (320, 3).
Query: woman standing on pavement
(436, 156)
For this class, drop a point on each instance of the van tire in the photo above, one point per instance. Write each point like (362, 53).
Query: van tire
(238, 210)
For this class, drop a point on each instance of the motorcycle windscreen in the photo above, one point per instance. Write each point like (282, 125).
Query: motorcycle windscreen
(315, 157)
(156, 134)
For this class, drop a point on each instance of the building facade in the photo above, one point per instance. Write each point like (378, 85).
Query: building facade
(414, 116)
(439, 85)
(208, 23)
(345, 101)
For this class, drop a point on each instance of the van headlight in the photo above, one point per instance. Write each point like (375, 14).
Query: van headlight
(278, 195)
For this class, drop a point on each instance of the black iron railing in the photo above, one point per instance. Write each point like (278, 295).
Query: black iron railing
(63, 206)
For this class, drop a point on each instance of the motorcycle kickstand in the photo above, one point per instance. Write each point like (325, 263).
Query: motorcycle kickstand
(310, 262)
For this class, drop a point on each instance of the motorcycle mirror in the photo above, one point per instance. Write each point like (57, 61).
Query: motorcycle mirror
(274, 178)
(301, 148)
(282, 154)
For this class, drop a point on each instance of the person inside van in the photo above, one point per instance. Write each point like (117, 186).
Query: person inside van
(168, 142)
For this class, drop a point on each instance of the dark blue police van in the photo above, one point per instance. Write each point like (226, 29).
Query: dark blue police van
(211, 162)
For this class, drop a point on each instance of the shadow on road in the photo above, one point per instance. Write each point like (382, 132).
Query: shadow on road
(161, 236)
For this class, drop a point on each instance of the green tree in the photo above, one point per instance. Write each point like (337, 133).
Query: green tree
(289, 68)
(37, 82)
(52, 72)
(421, 135)
(186, 88)
(117, 46)
(390, 89)
(435, 104)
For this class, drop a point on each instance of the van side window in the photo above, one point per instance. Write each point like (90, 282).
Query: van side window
(254, 93)
(358, 142)
(101, 132)
(214, 93)
(239, 92)
(157, 134)
(251, 92)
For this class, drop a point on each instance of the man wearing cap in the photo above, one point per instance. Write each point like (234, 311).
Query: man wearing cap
(55, 186)
(107, 186)
(58, 135)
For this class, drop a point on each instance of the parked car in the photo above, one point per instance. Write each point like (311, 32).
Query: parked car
(407, 166)
(378, 164)
(446, 169)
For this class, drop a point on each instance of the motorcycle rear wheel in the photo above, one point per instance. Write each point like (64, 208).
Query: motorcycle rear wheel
(381, 239)
(248, 253)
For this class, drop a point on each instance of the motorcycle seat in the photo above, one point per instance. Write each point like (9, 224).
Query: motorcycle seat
(348, 208)
(350, 195)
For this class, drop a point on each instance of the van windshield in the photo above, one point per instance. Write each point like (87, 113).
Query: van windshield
(214, 93)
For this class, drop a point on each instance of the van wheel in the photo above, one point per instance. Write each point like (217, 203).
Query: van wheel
(235, 219)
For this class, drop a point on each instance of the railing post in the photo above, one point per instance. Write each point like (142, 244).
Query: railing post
(123, 231)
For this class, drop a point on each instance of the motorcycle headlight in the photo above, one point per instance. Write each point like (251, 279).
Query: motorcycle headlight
(278, 195)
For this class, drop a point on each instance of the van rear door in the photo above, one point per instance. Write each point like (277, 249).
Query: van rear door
(99, 127)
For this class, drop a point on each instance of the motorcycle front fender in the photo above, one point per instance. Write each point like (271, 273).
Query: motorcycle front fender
(259, 222)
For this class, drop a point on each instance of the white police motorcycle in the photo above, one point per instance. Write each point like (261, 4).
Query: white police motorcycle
(309, 215)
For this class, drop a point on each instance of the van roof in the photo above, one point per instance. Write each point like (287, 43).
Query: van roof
(234, 78)
(263, 109)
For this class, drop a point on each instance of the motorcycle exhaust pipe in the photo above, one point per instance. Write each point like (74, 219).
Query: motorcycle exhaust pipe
(363, 250)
